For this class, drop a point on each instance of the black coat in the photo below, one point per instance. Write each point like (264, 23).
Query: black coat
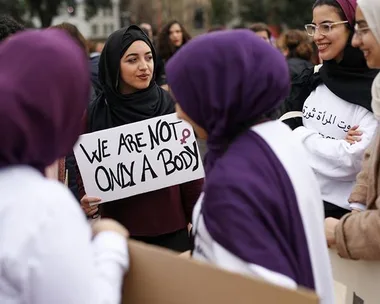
(297, 66)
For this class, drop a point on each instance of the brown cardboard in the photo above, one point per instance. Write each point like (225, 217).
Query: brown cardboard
(158, 276)
(355, 281)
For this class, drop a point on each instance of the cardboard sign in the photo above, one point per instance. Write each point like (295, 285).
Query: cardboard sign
(158, 276)
(138, 158)
(356, 282)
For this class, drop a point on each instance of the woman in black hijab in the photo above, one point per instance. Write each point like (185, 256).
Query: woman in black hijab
(118, 105)
(130, 94)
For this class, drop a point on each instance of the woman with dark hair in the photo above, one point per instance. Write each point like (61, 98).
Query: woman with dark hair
(298, 50)
(171, 38)
(334, 98)
(130, 94)
(74, 32)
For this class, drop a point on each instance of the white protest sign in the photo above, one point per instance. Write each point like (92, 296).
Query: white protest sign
(137, 158)
(356, 282)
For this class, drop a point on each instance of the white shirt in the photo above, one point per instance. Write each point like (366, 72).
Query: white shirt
(326, 120)
(294, 159)
(46, 252)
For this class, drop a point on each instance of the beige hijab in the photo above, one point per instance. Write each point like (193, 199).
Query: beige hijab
(371, 12)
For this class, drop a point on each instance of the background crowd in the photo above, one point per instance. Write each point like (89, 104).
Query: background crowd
(288, 129)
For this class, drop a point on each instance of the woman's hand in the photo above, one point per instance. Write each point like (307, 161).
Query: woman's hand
(85, 204)
(109, 225)
(353, 135)
(330, 225)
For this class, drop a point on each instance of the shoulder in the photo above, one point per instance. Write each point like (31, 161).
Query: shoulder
(164, 93)
(249, 166)
(301, 88)
(166, 100)
(95, 113)
(42, 202)
(40, 195)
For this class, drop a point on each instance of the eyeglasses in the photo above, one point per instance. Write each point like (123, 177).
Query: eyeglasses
(360, 31)
(323, 28)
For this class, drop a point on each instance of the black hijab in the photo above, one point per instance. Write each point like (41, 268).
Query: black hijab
(350, 79)
(111, 108)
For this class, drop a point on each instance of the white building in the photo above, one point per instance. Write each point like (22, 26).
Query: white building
(104, 23)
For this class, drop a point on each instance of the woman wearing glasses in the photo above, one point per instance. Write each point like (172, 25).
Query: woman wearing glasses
(334, 98)
(356, 235)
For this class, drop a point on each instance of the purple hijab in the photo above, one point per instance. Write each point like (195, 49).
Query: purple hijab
(225, 81)
(348, 7)
(44, 91)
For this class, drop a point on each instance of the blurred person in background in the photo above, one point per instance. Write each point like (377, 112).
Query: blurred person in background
(297, 49)
(74, 32)
(216, 28)
(148, 30)
(8, 27)
(262, 30)
(95, 49)
(171, 38)
(159, 74)
(48, 252)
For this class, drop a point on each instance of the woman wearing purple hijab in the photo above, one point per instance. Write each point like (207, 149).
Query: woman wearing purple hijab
(261, 212)
(47, 254)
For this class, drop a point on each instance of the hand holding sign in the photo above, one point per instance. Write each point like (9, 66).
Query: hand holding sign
(87, 204)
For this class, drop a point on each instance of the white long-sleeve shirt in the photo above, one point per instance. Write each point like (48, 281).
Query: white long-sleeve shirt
(46, 251)
(327, 119)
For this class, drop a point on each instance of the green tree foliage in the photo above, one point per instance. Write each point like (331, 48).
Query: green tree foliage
(46, 10)
(16, 9)
(221, 12)
(294, 13)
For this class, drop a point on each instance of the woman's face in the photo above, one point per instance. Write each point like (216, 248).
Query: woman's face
(136, 68)
(332, 45)
(201, 133)
(175, 35)
(366, 41)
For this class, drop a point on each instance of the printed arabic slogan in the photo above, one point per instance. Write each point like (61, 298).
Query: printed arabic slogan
(324, 118)
(138, 158)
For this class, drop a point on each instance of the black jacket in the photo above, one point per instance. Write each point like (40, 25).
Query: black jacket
(297, 66)
(302, 86)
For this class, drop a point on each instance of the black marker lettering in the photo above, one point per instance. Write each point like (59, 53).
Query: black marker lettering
(105, 189)
(115, 179)
(167, 161)
(195, 153)
(147, 166)
(95, 154)
(139, 138)
(122, 143)
(154, 137)
(104, 147)
(174, 128)
(165, 126)
(129, 172)
(132, 143)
